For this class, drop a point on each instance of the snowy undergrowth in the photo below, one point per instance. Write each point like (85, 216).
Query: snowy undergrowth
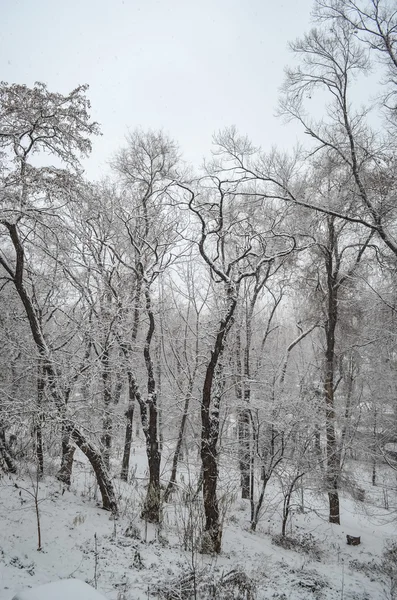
(127, 560)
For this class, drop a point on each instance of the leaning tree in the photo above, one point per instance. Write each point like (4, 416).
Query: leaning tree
(35, 121)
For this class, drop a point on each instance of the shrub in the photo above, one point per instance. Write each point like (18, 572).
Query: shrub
(305, 543)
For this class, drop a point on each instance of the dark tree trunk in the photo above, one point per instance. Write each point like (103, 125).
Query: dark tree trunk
(5, 454)
(245, 451)
(210, 433)
(374, 448)
(159, 383)
(256, 509)
(128, 428)
(126, 348)
(49, 368)
(287, 503)
(38, 420)
(149, 415)
(152, 506)
(334, 282)
(333, 464)
(66, 429)
(107, 400)
(109, 501)
(65, 472)
(243, 423)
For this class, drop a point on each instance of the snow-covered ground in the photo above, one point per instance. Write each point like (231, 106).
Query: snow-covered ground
(63, 589)
(80, 540)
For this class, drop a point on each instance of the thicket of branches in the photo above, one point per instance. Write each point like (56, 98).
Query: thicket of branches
(245, 314)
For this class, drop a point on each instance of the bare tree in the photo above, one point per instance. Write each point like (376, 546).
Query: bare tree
(233, 249)
(374, 24)
(331, 61)
(147, 168)
(34, 120)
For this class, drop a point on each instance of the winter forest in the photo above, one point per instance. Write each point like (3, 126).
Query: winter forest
(209, 354)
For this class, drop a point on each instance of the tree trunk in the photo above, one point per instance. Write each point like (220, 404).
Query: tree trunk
(109, 501)
(333, 464)
(149, 414)
(255, 510)
(107, 400)
(245, 451)
(159, 383)
(65, 472)
(178, 447)
(374, 448)
(5, 453)
(243, 423)
(49, 368)
(128, 428)
(152, 506)
(271, 458)
(126, 348)
(210, 432)
(287, 503)
(38, 420)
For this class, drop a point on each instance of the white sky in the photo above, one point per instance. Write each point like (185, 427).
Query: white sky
(190, 67)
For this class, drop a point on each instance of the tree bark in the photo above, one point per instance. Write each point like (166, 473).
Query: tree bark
(107, 400)
(126, 348)
(128, 427)
(109, 501)
(38, 420)
(333, 465)
(210, 432)
(149, 415)
(65, 472)
(5, 453)
(243, 423)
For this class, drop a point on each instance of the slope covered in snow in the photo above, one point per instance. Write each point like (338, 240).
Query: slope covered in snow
(128, 560)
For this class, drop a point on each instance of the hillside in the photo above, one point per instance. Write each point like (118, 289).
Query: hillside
(82, 541)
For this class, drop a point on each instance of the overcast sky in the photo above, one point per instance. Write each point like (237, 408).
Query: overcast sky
(189, 67)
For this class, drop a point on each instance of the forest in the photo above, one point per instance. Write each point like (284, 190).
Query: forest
(200, 337)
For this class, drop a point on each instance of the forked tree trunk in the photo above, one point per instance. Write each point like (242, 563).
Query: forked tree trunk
(256, 508)
(287, 502)
(274, 455)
